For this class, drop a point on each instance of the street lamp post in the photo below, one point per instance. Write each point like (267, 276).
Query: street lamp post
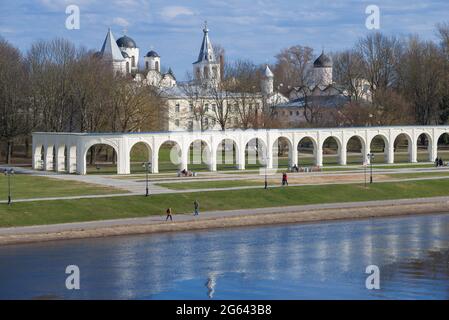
(266, 179)
(371, 158)
(147, 166)
(9, 172)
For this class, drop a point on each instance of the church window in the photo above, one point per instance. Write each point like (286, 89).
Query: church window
(157, 65)
(127, 67)
(133, 61)
(177, 122)
(206, 73)
(177, 107)
(147, 65)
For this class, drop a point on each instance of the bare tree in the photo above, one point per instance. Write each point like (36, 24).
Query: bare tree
(348, 72)
(90, 94)
(380, 54)
(292, 67)
(443, 34)
(244, 84)
(12, 96)
(197, 95)
(50, 66)
(422, 76)
(133, 106)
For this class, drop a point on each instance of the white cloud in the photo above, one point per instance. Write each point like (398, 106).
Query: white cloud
(6, 30)
(122, 22)
(172, 12)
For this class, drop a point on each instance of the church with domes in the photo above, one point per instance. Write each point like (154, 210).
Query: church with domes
(123, 54)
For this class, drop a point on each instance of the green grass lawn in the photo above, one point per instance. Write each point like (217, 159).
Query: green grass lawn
(211, 184)
(62, 211)
(26, 187)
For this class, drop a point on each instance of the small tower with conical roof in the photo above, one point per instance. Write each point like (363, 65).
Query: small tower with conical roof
(207, 69)
(322, 70)
(111, 53)
(267, 82)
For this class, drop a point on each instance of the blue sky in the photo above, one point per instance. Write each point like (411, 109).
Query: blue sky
(247, 29)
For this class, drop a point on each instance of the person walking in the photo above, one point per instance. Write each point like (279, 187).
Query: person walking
(284, 179)
(196, 206)
(169, 215)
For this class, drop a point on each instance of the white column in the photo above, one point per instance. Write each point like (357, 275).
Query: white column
(37, 156)
(413, 151)
(71, 159)
(123, 156)
(389, 150)
(184, 157)
(155, 160)
(269, 154)
(319, 155)
(366, 150)
(123, 162)
(343, 154)
(433, 153)
(293, 155)
(213, 159)
(240, 157)
(48, 158)
(60, 159)
(80, 160)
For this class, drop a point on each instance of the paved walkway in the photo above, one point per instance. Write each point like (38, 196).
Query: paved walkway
(209, 215)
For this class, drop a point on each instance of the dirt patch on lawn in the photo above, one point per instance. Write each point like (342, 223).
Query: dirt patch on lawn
(343, 178)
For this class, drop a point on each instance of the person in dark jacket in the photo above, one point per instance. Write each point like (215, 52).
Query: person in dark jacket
(196, 207)
(169, 215)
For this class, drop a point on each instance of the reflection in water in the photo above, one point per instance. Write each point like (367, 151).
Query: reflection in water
(210, 285)
(322, 260)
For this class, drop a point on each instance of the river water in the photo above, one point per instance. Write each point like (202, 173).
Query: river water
(300, 261)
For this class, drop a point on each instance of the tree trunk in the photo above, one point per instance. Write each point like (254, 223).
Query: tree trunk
(27, 148)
